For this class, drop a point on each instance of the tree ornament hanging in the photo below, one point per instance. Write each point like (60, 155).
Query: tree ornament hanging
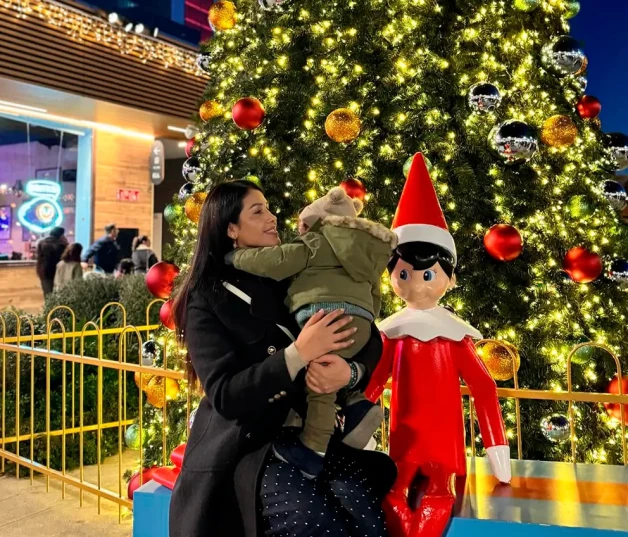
(209, 110)
(160, 279)
(172, 212)
(191, 131)
(555, 428)
(408, 164)
(203, 62)
(618, 272)
(151, 351)
(559, 131)
(248, 113)
(615, 194)
(354, 188)
(222, 16)
(572, 9)
(186, 191)
(564, 56)
(132, 437)
(579, 207)
(165, 315)
(582, 266)
(514, 141)
(614, 409)
(503, 242)
(498, 357)
(343, 125)
(274, 5)
(142, 380)
(526, 5)
(189, 147)
(617, 144)
(484, 97)
(588, 107)
(581, 83)
(160, 390)
(194, 206)
(192, 170)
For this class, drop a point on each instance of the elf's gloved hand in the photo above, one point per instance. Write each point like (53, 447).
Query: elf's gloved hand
(230, 256)
(499, 457)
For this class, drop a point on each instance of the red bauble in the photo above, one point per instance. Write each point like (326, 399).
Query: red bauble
(614, 409)
(188, 147)
(248, 113)
(588, 107)
(165, 315)
(582, 266)
(160, 279)
(503, 242)
(134, 482)
(354, 188)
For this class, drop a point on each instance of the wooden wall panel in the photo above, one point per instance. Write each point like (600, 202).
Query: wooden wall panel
(35, 52)
(121, 162)
(20, 287)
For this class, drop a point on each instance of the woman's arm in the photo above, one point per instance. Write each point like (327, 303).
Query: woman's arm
(234, 391)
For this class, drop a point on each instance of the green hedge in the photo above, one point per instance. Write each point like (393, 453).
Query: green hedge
(86, 298)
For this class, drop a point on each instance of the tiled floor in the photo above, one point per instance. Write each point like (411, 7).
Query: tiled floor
(27, 510)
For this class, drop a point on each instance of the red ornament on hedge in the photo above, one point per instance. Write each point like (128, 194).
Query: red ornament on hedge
(503, 242)
(189, 146)
(582, 266)
(614, 409)
(165, 315)
(248, 113)
(588, 107)
(160, 279)
(354, 188)
(134, 483)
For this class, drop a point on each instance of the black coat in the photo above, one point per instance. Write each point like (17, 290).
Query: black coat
(237, 351)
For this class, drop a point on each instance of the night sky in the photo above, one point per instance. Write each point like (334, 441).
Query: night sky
(599, 27)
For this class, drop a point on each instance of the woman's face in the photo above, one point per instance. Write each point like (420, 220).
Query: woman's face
(257, 226)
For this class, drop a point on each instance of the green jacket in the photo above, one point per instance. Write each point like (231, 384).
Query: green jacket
(341, 259)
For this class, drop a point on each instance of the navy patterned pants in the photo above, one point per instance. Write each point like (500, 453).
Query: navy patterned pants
(339, 503)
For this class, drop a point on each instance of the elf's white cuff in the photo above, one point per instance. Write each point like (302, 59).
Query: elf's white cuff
(499, 457)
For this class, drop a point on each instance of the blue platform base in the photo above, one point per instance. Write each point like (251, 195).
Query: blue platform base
(151, 506)
(467, 527)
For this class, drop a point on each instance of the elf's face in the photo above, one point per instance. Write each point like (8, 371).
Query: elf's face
(420, 289)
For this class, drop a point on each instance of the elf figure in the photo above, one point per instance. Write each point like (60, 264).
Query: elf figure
(427, 350)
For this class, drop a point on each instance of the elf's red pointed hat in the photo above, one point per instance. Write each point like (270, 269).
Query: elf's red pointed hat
(419, 217)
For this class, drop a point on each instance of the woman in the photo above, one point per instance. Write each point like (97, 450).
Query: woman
(143, 257)
(69, 268)
(252, 376)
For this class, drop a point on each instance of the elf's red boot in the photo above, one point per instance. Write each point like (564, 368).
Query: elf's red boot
(398, 513)
(434, 511)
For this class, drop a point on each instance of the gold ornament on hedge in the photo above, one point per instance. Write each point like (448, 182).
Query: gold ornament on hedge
(160, 389)
(209, 110)
(222, 15)
(343, 125)
(194, 205)
(498, 358)
(559, 131)
(146, 378)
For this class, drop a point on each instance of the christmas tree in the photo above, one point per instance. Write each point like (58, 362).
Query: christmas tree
(305, 95)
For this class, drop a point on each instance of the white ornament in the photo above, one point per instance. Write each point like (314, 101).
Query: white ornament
(270, 4)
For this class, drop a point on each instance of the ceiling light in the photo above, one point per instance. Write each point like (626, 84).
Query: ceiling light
(113, 18)
(128, 27)
(139, 28)
(176, 129)
(23, 106)
(155, 32)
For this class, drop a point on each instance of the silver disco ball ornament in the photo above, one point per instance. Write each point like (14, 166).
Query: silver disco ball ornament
(484, 97)
(192, 418)
(271, 4)
(191, 131)
(581, 83)
(564, 56)
(203, 62)
(615, 194)
(514, 141)
(555, 428)
(192, 170)
(617, 144)
(150, 352)
(186, 191)
(618, 272)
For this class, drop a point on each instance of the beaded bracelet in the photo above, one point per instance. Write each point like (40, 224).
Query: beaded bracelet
(353, 381)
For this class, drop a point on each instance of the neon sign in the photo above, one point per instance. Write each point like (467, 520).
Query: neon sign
(43, 212)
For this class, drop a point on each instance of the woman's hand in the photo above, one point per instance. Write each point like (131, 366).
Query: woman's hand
(328, 374)
(321, 335)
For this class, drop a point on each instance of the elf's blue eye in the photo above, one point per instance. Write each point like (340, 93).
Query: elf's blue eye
(429, 275)
(404, 274)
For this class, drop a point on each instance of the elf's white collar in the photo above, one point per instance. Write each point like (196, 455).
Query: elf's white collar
(426, 325)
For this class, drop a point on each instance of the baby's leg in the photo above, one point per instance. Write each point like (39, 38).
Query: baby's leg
(320, 420)
(360, 338)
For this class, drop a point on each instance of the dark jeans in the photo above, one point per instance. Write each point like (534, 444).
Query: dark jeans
(47, 286)
(339, 503)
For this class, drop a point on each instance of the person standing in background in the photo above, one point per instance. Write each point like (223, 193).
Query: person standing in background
(69, 268)
(49, 252)
(105, 251)
(143, 257)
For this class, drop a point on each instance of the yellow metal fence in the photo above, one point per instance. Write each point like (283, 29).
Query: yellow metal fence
(63, 345)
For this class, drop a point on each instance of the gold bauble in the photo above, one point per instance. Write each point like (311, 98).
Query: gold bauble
(386, 398)
(222, 15)
(194, 206)
(343, 125)
(160, 389)
(498, 360)
(559, 131)
(146, 378)
(209, 110)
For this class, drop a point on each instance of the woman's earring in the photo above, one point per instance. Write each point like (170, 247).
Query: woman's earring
(235, 244)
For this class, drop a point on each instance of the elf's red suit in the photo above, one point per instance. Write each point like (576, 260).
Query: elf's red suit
(427, 350)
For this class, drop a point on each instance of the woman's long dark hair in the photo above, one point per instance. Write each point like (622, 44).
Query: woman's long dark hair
(72, 253)
(139, 240)
(222, 207)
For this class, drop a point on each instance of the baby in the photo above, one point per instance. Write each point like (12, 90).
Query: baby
(336, 263)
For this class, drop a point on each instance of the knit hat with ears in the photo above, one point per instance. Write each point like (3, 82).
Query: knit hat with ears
(335, 203)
